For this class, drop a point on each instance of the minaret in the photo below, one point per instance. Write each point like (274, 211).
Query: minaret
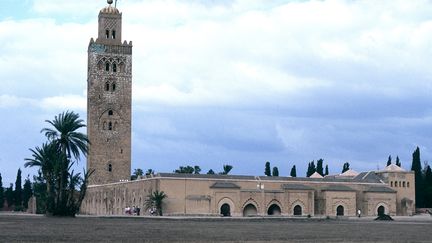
(109, 95)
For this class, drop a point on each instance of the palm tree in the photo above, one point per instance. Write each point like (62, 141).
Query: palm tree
(226, 169)
(155, 200)
(70, 142)
(48, 159)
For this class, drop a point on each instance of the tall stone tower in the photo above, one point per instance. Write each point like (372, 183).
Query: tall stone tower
(109, 95)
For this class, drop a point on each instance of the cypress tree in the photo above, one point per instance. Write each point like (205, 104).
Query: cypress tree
(293, 171)
(267, 170)
(397, 161)
(9, 194)
(428, 187)
(27, 192)
(416, 167)
(275, 171)
(345, 167)
(389, 160)
(319, 167)
(2, 196)
(18, 190)
(326, 170)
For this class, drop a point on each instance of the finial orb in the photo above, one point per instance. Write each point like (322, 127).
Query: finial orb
(110, 1)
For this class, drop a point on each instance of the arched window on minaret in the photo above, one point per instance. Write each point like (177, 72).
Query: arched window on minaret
(121, 66)
(107, 66)
(110, 127)
(110, 167)
(107, 86)
(113, 34)
(110, 113)
(107, 35)
(114, 67)
(113, 86)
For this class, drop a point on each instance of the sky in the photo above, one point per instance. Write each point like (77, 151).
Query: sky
(231, 82)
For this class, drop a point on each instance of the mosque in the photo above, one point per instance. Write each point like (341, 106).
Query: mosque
(109, 110)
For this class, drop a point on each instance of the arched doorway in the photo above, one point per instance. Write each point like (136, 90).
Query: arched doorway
(297, 210)
(381, 210)
(250, 210)
(274, 210)
(225, 210)
(340, 211)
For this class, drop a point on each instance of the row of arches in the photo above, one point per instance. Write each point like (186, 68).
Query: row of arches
(111, 66)
(251, 210)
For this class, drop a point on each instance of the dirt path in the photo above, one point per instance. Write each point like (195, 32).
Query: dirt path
(133, 229)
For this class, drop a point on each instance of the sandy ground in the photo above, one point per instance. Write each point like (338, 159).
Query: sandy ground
(27, 228)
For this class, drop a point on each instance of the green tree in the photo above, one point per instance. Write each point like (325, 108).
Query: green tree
(155, 201)
(18, 192)
(40, 192)
(311, 169)
(27, 192)
(389, 160)
(137, 174)
(319, 167)
(150, 172)
(416, 167)
(210, 172)
(346, 166)
(428, 187)
(275, 171)
(55, 158)
(293, 172)
(267, 170)
(185, 170)
(9, 194)
(197, 169)
(398, 163)
(226, 170)
(326, 170)
(2, 196)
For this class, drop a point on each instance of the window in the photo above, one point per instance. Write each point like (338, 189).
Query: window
(107, 86)
(403, 184)
(107, 66)
(109, 125)
(109, 167)
(400, 184)
(107, 34)
(395, 184)
(391, 183)
(110, 113)
(113, 34)
(121, 151)
(408, 184)
(113, 87)
(114, 68)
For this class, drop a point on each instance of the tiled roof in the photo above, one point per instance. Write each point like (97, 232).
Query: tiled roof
(225, 185)
(296, 187)
(380, 189)
(338, 188)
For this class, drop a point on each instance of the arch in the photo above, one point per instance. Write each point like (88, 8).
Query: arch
(226, 200)
(297, 211)
(107, 34)
(225, 210)
(340, 210)
(274, 209)
(110, 126)
(391, 183)
(121, 67)
(113, 34)
(107, 86)
(250, 210)
(100, 65)
(381, 207)
(299, 203)
(403, 184)
(113, 86)
(110, 112)
(110, 167)
(114, 68)
(407, 183)
(107, 66)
